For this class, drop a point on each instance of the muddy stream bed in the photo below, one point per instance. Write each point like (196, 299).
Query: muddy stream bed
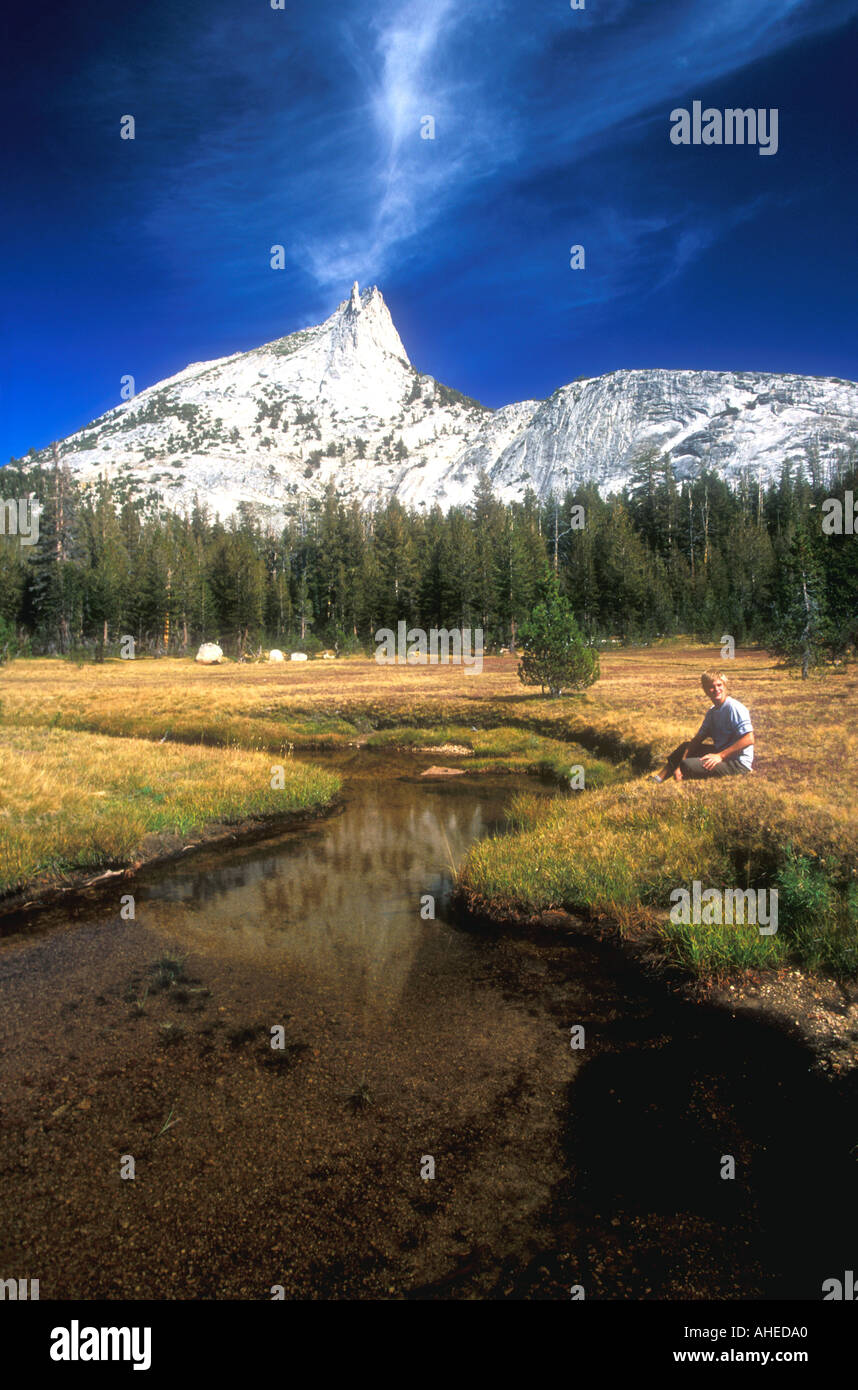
(411, 1044)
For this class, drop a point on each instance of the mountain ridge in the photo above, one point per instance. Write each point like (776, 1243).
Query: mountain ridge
(340, 402)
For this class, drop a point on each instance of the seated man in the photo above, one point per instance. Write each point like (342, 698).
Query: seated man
(728, 725)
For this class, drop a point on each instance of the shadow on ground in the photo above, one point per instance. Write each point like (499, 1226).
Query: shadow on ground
(670, 1091)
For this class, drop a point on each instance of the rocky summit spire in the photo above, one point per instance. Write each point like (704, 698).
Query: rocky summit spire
(362, 329)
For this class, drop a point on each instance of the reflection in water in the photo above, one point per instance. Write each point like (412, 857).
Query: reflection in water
(339, 901)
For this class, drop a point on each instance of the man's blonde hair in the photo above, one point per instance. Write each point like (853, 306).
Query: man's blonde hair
(708, 679)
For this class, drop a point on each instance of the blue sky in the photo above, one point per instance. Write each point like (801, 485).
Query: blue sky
(301, 127)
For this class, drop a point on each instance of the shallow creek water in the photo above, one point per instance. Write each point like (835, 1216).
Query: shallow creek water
(407, 1039)
(337, 904)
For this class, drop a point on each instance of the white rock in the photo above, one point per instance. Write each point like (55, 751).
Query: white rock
(349, 378)
(298, 656)
(209, 654)
(276, 655)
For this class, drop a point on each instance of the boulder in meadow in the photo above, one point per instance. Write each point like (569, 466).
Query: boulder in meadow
(209, 654)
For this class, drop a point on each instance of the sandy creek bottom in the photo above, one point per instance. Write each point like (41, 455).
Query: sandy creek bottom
(405, 1039)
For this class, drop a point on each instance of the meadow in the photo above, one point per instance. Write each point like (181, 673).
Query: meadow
(81, 741)
(73, 802)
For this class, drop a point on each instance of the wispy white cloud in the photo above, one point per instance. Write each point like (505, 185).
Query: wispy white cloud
(325, 153)
(412, 63)
(494, 109)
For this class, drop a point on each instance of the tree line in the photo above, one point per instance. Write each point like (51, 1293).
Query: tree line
(660, 557)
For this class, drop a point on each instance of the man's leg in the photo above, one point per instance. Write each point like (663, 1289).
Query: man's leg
(694, 771)
(693, 767)
(673, 762)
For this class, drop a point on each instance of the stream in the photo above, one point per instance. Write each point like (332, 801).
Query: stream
(425, 1129)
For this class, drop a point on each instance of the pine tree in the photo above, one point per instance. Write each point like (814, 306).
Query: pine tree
(556, 654)
(394, 549)
(486, 514)
(106, 585)
(802, 634)
(55, 572)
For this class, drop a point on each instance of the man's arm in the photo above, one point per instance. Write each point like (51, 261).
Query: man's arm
(713, 759)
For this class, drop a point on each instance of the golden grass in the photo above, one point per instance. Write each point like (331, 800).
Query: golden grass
(806, 731)
(73, 801)
(314, 704)
(615, 849)
(620, 852)
(504, 749)
(646, 700)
